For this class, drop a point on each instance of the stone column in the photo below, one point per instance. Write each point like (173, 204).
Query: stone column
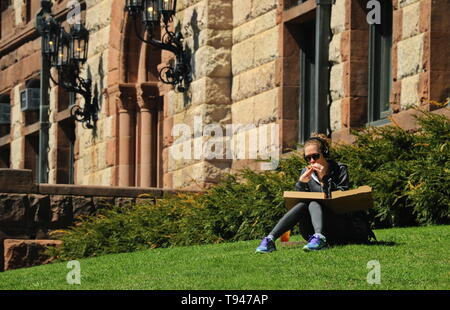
(126, 102)
(147, 101)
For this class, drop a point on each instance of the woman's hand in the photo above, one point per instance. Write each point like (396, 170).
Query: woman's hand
(305, 177)
(319, 168)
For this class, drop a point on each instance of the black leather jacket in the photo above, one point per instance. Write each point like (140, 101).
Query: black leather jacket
(336, 179)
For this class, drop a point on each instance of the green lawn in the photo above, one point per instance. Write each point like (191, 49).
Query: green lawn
(410, 258)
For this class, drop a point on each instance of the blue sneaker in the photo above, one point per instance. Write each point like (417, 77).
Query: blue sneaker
(266, 246)
(316, 242)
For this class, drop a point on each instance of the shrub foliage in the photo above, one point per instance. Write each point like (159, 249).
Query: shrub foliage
(409, 173)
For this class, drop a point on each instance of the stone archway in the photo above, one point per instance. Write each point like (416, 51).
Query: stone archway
(133, 106)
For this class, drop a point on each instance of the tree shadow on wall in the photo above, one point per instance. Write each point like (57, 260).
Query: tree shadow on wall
(192, 29)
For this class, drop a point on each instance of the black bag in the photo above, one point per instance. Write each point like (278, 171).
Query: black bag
(361, 228)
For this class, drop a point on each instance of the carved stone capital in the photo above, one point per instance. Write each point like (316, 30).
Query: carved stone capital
(147, 95)
(125, 96)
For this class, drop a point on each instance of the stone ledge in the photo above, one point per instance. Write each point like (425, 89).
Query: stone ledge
(404, 119)
(17, 181)
(407, 121)
(100, 191)
(20, 181)
(26, 253)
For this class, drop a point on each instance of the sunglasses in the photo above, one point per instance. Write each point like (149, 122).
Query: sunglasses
(315, 156)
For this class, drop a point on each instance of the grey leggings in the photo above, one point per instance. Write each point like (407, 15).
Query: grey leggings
(313, 218)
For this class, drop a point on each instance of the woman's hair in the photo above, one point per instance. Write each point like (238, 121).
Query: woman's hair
(320, 140)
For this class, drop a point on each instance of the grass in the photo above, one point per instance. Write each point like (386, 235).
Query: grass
(410, 258)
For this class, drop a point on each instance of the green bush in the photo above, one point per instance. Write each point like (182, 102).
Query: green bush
(409, 174)
(233, 210)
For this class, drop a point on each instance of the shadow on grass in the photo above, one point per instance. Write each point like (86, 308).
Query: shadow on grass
(384, 243)
(371, 243)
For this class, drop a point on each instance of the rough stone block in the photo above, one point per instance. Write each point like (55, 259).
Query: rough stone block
(337, 82)
(338, 14)
(61, 211)
(261, 7)
(124, 202)
(397, 23)
(411, 20)
(436, 13)
(243, 111)
(355, 82)
(438, 55)
(409, 55)
(40, 209)
(439, 87)
(14, 213)
(410, 88)
(255, 51)
(266, 107)
(336, 115)
(343, 136)
(103, 202)
(212, 62)
(213, 37)
(220, 14)
(335, 53)
(404, 3)
(254, 81)
(254, 27)
(243, 56)
(26, 253)
(99, 15)
(82, 206)
(242, 11)
(406, 119)
(266, 46)
(208, 91)
(200, 173)
(354, 111)
(199, 116)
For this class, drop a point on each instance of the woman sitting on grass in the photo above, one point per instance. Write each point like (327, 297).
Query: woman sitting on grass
(318, 225)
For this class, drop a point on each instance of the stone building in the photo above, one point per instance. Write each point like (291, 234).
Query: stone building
(254, 62)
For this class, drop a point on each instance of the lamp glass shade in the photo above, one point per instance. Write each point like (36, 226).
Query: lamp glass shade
(167, 9)
(79, 41)
(50, 37)
(150, 12)
(168, 5)
(134, 6)
(63, 54)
